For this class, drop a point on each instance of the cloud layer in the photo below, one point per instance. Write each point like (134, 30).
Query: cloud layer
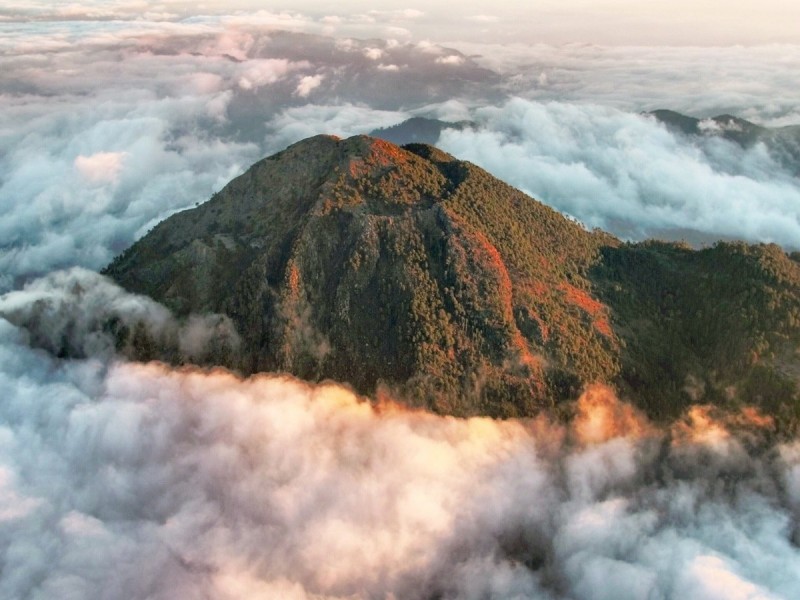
(125, 480)
(106, 128)
(628, 174)
(128, 480)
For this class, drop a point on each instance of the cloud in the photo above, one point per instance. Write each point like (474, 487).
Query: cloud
(308, 84)
(483, 18)
(753, 82)
(260, 72)
(101, 167)
(111, 126)
(452, 59)
(628, 174)
(295, 124)
(129, 480)
(78, 313)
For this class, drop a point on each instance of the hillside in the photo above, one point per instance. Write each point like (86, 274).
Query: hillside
(406, 269)
(417, 130)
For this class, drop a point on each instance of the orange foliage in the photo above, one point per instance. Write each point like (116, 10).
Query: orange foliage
(595, 309)
(386, 155)
(497, 265)
(293, 279)
(380, 154)
(526, 357)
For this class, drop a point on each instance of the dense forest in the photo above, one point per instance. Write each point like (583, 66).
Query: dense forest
(408, 271)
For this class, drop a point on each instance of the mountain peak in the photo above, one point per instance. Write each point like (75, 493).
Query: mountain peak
(359, 260)
(402, 267)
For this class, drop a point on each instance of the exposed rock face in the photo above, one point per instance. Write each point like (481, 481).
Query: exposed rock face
(364, 262)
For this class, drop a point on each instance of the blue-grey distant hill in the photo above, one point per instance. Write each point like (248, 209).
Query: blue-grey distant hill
(783, 143)
(417, 130)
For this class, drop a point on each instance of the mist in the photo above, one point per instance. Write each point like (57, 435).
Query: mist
(134, 480)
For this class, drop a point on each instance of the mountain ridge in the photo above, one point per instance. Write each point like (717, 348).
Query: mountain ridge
(407, 269)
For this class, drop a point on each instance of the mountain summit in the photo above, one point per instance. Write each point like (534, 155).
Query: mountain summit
(404, 268)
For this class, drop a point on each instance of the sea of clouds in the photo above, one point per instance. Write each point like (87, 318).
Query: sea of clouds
(127, 480)
(130, 480)
(107, 126)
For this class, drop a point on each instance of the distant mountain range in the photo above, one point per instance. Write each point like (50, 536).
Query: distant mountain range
(408, 270)
(783, 143)
(418, 130)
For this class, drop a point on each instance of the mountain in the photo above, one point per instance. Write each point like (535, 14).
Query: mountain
(783, 143)
(406, 269)
(417, 130)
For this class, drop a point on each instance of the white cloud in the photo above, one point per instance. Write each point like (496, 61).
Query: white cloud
(626, 173)
(751, 82)
(125, 480)
(308, 84)
(452, 59)
(400, 14)
(101, 167)
(260, 72)
(295, 124)
(483, 18)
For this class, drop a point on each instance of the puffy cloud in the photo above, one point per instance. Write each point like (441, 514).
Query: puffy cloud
(127, 480)
(109, 127)
(101, 167)
(78, 313)
(628, 174)
(260, 72)
(451, 59)
(295, 124)
(373, 53)
(308, 84)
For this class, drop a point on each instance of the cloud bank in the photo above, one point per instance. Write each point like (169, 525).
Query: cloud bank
(753, 82)
(129, 480)
(108, 127)
(628, 174)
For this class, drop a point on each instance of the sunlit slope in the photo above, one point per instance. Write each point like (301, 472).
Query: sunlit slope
(364, 262)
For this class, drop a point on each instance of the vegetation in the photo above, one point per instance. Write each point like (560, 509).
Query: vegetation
(409, 270)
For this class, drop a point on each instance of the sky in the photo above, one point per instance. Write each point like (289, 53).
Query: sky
(128, 480)
(609, 22)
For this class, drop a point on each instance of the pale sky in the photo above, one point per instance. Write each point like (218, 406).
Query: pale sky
(624, 22)
(608, 22)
